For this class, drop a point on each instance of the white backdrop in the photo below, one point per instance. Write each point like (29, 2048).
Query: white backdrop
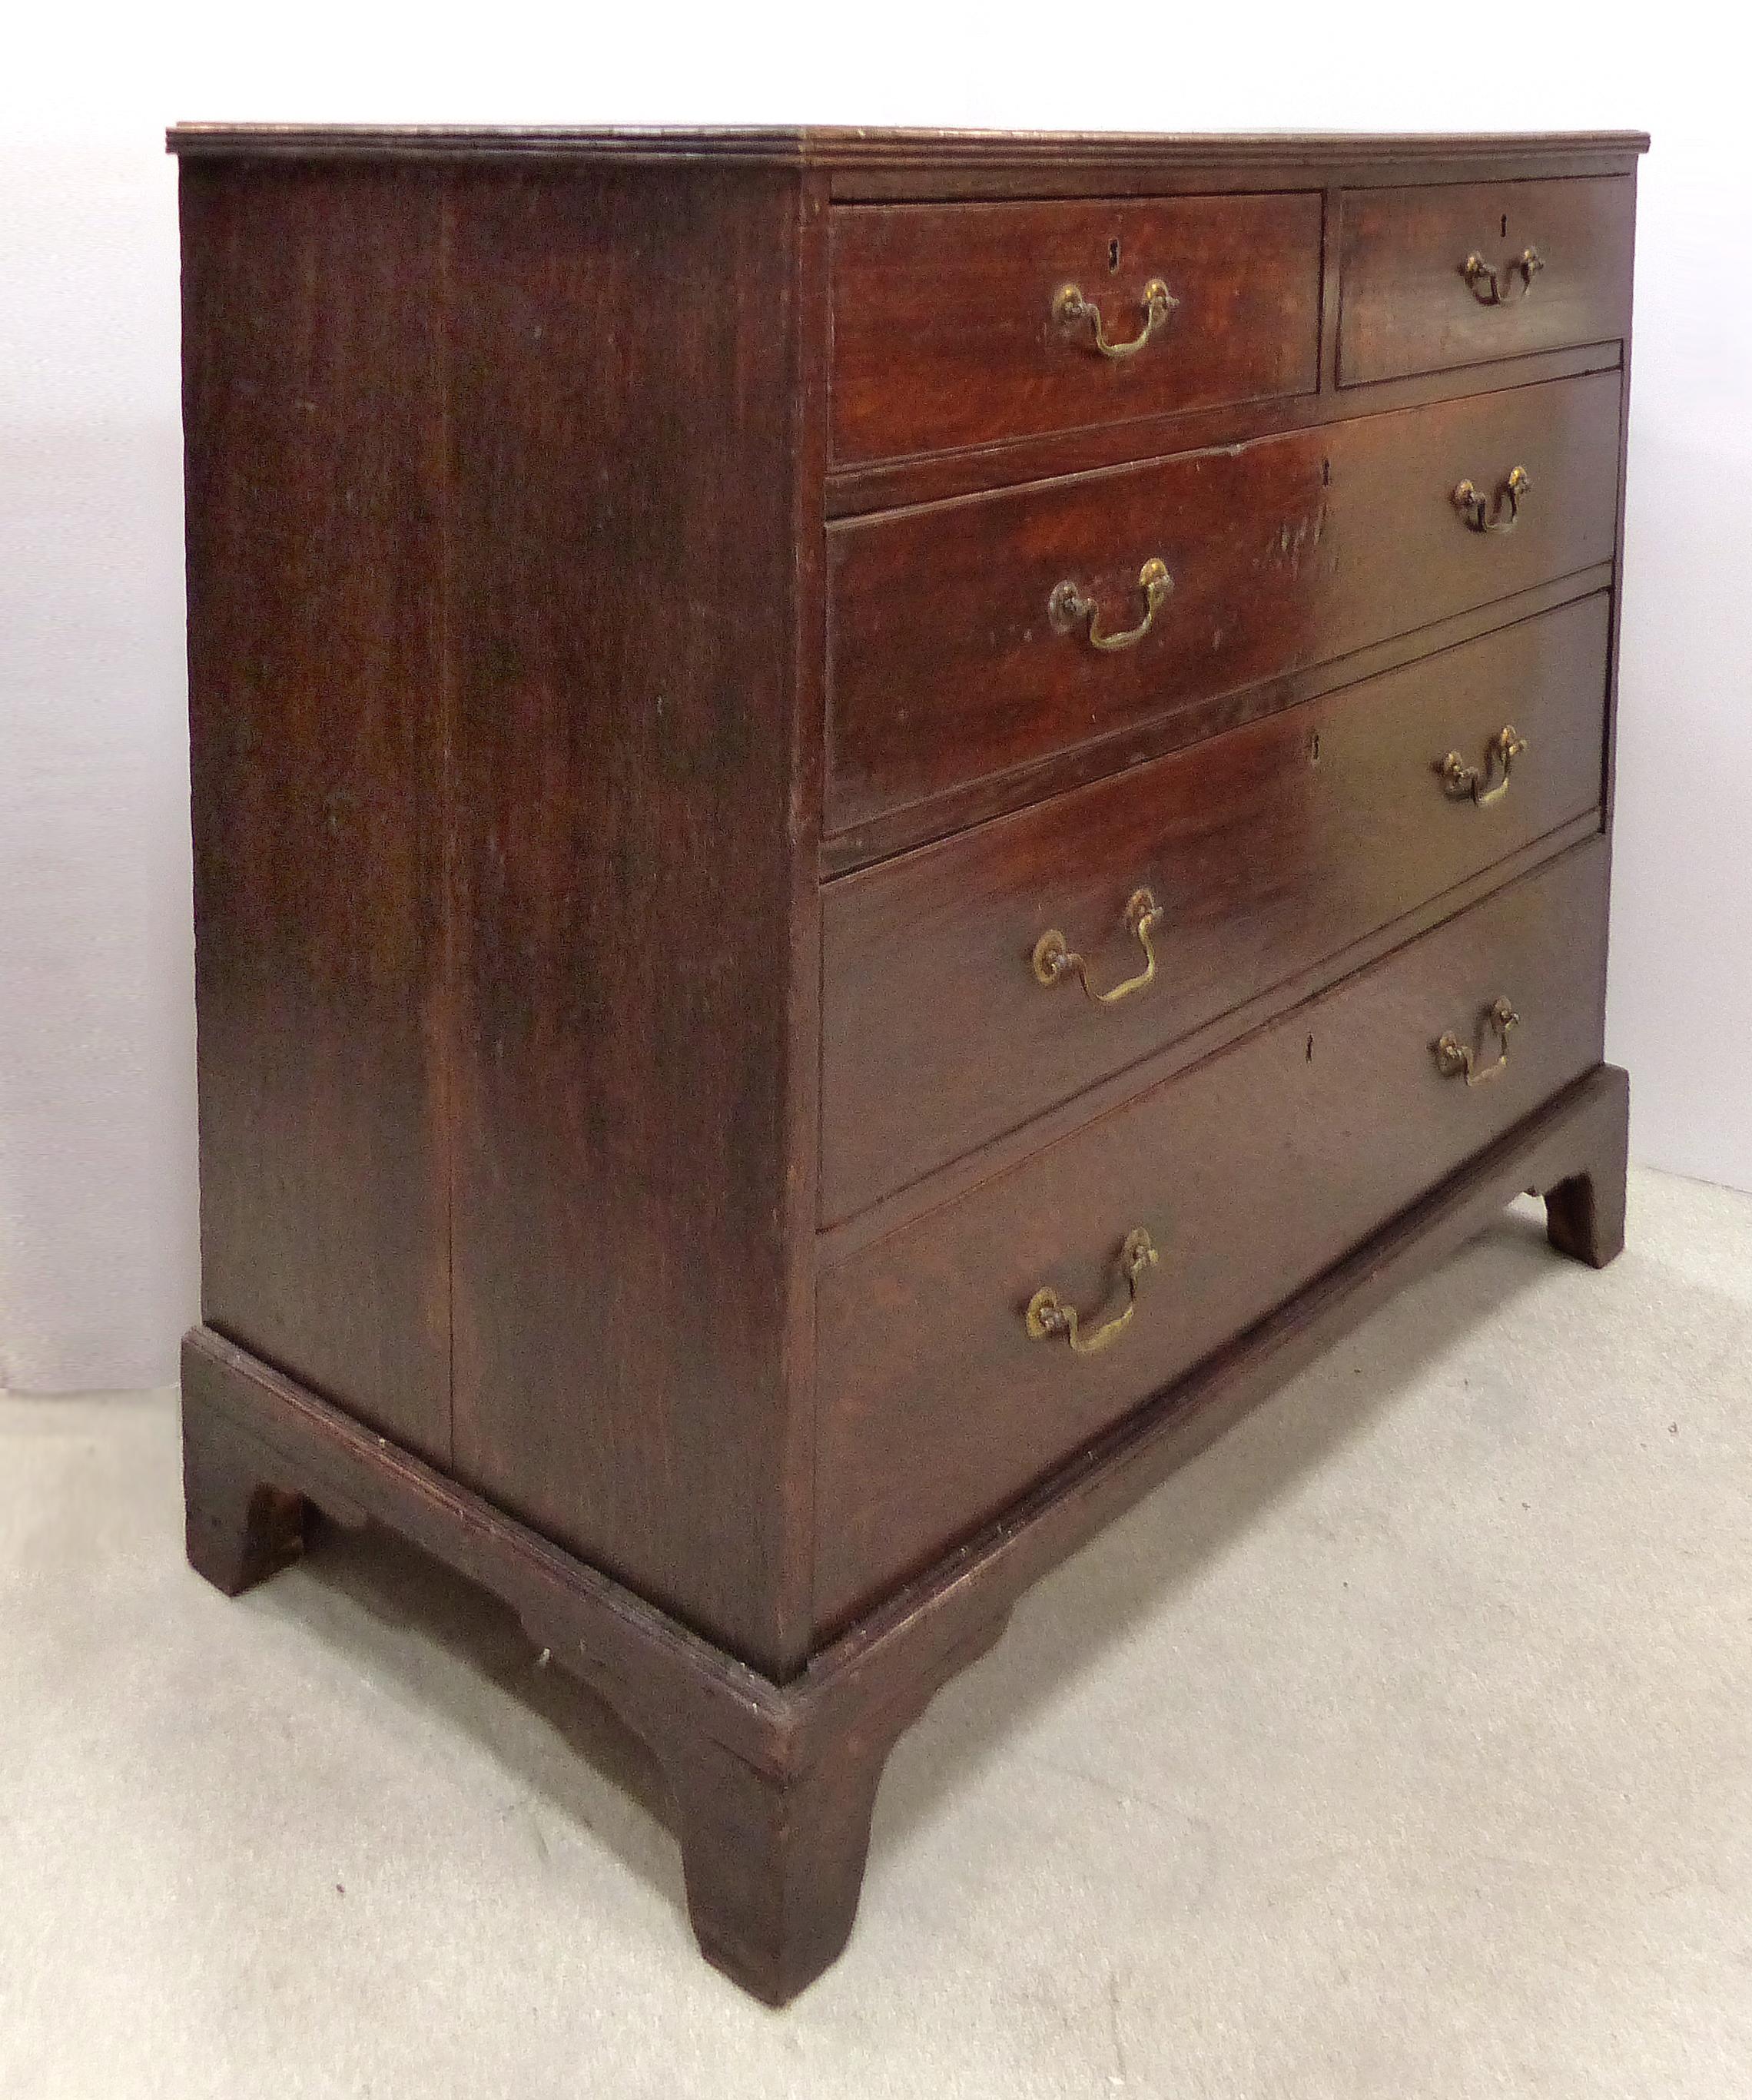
(97, 1193)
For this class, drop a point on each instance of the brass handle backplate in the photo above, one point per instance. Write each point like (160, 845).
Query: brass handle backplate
(1492, 287)
(1456, 1059)
(1477, 509)
(1054, 957)
(1069, 609)
(1048, 1314)
(1461, 780)
(1071, 310)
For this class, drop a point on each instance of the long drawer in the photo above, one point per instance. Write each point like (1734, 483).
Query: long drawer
(1453, 273)
(1249, 1174)
(965, 636)
(966, 324)
(1261, 852)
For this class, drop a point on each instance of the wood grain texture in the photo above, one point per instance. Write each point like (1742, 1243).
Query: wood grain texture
(1249, 844)
(770, 1890)
(1405, 305)
(315, 498)
(529, 678)
(943, 333)
(947, 669)
(624, 645)
(1137, 743)
(937, 1410)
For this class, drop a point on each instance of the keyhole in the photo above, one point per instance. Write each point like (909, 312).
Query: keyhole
(1112, 255)
(1309, 1058)
(1325, 473)
(1314, 748)
(1505, 226)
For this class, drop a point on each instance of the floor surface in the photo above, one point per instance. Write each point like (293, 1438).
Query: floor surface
(1402, 1745)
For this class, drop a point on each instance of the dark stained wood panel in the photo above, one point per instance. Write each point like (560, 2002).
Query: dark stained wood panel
(625, 651)
(314, 500)
(1252, 1173)
(1267, 849)
(1406, 306)
(945, 334)
(948, 667)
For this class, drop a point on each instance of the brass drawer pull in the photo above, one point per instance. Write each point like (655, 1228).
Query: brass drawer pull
(1455, 1057)
(1461, 780)
(1068, 608)
(1477, 510)
(1054, 957)
(1491, 288)
(1048, 1314)
(1070, 310)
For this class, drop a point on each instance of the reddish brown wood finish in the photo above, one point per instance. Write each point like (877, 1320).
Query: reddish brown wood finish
(938, 1409)
(946, 668)
(1406, 304)
(622, 628)
(315, 643)
(943, 327)
(513, 610)
(771, 1893)
(1249, 842)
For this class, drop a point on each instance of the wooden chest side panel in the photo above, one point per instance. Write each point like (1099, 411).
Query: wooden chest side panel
(623, 412)
(311, 406)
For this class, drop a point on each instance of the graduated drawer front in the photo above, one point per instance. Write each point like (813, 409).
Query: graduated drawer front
(1267, 848)
(1252, 1172)
(1409, 302)
(948, 329)
(948, 666)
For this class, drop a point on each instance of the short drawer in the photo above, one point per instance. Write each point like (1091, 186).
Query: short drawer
(1249, 1174)
(1260, 853)
(966, 324)
(967, 637)
(1456, 273)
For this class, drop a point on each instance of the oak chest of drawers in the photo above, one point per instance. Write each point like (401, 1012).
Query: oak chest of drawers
(880, 821)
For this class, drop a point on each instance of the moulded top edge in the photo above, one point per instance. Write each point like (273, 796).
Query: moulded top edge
(852, 147)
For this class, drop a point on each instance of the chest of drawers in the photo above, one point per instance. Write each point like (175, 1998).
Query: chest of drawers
(880, 820)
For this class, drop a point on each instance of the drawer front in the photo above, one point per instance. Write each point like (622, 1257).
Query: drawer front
(1251, 1173)
(1432, 278)
(939, 1031)
(955, 325)
(955, 658)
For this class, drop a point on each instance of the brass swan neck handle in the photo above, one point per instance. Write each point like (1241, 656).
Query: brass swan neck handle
(1460, 780)
(1048, 1314)
(1054, 958)
(1069, 608)
(1070, 309)
(1457, 1060)
(1493, 287)
(1477, 510)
